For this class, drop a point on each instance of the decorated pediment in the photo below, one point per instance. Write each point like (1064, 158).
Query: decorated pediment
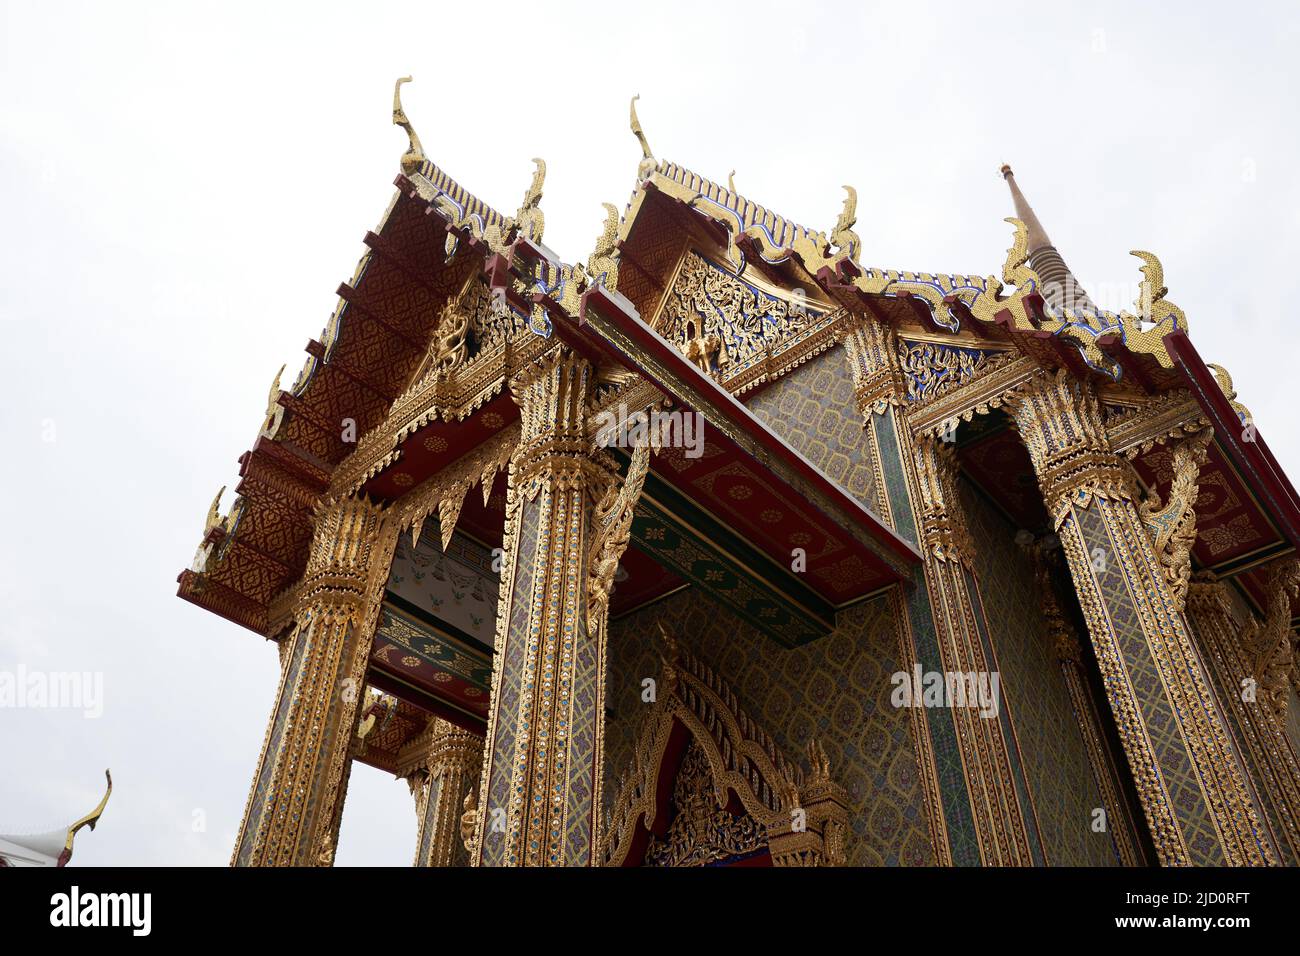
(732, 796)
(719, 320)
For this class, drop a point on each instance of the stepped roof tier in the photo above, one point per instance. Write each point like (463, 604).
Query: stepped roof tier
(405, 393)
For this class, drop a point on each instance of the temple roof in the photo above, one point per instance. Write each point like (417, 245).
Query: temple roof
(439, 244)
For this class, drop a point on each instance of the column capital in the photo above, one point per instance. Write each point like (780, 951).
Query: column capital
(553, 394)
(1060, 421)
(943, 523)
(441, 764)
(344, 544)
(877, 371)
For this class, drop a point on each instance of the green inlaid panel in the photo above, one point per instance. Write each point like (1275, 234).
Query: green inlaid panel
(925, 645)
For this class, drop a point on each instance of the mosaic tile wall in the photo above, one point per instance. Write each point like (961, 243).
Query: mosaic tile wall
(835, 689)
(1052, 752)
(813, 409)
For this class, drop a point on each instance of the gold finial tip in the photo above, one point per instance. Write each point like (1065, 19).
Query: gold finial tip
(1006, 171)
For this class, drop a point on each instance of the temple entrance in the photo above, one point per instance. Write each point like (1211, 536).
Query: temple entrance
(708, 787)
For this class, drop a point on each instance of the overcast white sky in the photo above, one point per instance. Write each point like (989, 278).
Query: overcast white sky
(183, 186)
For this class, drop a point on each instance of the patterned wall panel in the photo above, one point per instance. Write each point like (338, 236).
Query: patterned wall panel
(1052, 750)
(507, 668)
(836, 689)
(1099, 527)
(813, 408)
(459, 588)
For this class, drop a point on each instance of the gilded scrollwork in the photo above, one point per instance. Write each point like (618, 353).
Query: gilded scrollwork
(602, 264)
(1173, 524)
(701, 831)
(804, 817)
(718, 319)
(1271, 643)
(450, 346)
(933, 368)
(612, 526)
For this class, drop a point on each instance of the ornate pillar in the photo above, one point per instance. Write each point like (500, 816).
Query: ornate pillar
(296, 800)
(1120, 823)
(1251, 663)
(1188, 777)
(976, 796)
(446, 762)
(999, 795)
(539, 795)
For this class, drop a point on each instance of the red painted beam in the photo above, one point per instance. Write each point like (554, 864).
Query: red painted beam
(355, 300)
(1114, 347)
(318, 350)
(387, 250)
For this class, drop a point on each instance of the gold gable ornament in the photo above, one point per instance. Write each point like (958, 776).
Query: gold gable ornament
(801, 819)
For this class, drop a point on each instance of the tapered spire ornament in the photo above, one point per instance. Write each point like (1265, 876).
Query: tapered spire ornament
(1059, 286)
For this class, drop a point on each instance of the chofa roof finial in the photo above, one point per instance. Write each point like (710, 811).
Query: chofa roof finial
(648, 163)
(414, 155)
(843, 237)
(529, 219)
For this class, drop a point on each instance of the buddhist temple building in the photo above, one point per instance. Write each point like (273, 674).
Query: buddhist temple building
(724, 546)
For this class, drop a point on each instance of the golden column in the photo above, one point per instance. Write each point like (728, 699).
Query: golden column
(984, 819)
(1007, 837)
(539, 793)
(296, 800)
(1187, 774)
(1252, 663)
(1120, 822)
(445, 769)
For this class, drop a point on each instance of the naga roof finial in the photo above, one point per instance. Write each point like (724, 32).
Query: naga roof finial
(648, 163)
(731, 182)
(529, 219)
(842, 236)
(214, 513)
(89, 820)
(414, 155)
(602, 264)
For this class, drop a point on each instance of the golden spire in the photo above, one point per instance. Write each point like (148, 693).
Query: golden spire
(1024, 212)
(414, 155)
(648, 164)
(1058, 285)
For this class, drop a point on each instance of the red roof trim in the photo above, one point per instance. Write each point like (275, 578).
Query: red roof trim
(1253, 459)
